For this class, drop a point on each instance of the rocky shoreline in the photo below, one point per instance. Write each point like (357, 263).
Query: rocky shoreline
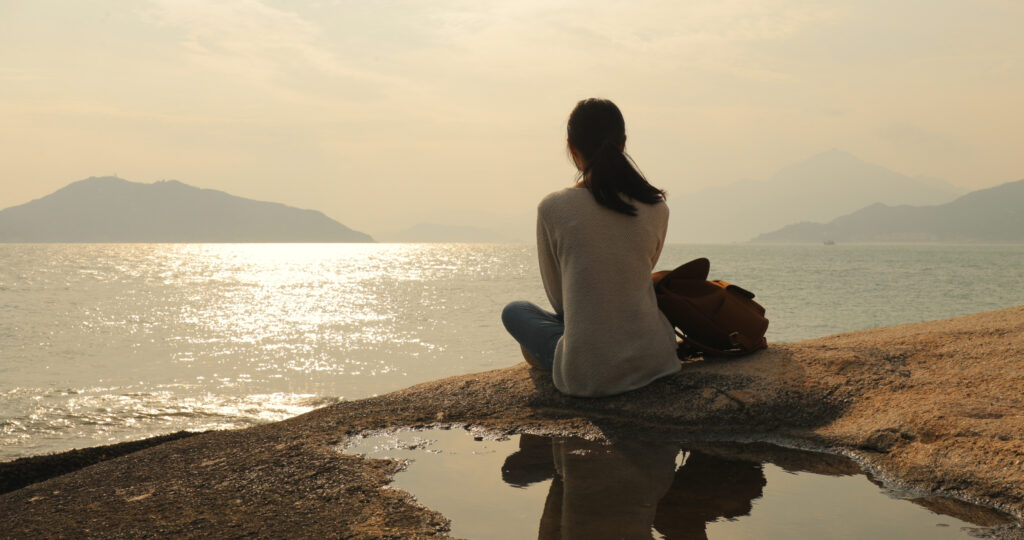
(935, 406)
(25, 471)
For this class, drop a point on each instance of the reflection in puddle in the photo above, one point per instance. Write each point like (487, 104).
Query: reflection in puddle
(531, 485)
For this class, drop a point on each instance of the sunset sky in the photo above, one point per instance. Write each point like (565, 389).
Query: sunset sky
(383, 114)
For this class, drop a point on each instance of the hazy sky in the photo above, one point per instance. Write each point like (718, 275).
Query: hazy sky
(385, 113)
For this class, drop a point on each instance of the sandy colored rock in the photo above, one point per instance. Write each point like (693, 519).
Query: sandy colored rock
(936, 406)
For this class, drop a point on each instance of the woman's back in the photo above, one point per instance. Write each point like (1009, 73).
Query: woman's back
(597, 244)
(596, 266)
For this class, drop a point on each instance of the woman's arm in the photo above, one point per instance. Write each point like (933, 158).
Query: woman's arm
(550, 271)
(663, 229)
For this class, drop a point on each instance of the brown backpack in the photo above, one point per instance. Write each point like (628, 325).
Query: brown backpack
(712, 317)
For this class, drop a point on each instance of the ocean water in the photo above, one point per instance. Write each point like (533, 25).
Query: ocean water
(101, 343)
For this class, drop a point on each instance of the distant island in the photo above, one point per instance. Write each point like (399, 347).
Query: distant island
(111, 209)
(436, 232)
(993, 215)
(818, 189)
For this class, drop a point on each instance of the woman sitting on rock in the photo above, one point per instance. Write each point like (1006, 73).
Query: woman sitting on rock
(598, 242)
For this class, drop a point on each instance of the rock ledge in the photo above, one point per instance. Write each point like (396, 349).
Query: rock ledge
(936, 406)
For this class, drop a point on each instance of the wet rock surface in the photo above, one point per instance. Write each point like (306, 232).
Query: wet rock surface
(21, 472)
(932, 406)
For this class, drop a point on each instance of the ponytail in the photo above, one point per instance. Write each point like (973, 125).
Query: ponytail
(598, 132)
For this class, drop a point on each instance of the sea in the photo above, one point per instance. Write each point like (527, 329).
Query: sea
(102, 343)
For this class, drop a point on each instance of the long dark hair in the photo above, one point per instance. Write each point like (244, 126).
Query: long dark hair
(598, 133)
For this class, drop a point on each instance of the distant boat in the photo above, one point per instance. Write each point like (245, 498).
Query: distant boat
(830, 242)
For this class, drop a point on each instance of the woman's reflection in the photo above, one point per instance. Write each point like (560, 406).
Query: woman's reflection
(627, 489)
(706, 488)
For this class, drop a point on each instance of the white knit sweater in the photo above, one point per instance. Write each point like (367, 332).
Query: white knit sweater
(596, 266)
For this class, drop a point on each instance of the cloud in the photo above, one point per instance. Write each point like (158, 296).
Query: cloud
(450, 58)
(711, 35)
(253, 40)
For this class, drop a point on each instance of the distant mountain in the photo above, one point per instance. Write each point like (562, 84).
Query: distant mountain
(460, 225)
(993, 215)
(435, 232)
(111, 209)
(826, 186)
(941, 185)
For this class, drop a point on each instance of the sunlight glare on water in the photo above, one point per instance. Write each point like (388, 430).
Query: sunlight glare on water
(107, 342)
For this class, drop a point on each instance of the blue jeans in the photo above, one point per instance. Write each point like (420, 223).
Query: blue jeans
(536, 330)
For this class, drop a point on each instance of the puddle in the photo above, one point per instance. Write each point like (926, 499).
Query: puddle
(528, 486)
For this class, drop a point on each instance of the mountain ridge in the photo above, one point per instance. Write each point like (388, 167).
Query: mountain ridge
(442, 233)
(990, 215)
(112, 209)
(819, 188)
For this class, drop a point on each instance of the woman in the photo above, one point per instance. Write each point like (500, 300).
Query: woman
(597, 242)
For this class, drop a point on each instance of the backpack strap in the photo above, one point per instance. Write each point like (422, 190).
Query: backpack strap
(708, 350)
